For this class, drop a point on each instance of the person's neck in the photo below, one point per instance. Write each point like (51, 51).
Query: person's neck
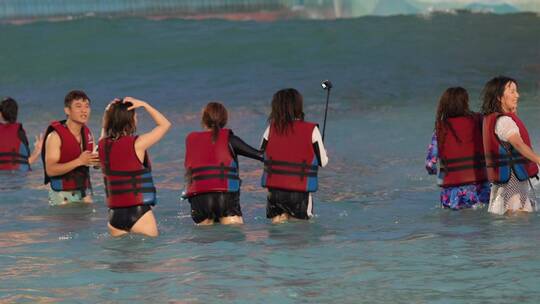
(74, 127)
(507, 111)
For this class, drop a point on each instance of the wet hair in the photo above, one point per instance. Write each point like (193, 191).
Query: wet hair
(493, 92)
(9, 109)
(214, 116)
(287, 106)
(454, 102)
(74, 95)
(119, 121)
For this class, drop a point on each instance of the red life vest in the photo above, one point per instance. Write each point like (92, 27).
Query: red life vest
(502, 158)
(289, 160)
(210, 167)
(128, 182)
(14, 151)
(462, 159)
(77, 179)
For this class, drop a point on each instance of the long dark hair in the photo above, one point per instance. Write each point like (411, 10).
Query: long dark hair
(119, 121)
(214, 116)
(287, 106)
(454, 102)
(493, 92)
(9, 109)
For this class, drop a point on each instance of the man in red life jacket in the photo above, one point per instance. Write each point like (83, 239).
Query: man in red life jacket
(68, 152)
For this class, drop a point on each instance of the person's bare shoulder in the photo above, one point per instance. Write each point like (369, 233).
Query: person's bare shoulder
(52, 141)
(52, 136)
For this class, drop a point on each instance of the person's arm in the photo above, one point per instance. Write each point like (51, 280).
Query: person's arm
(52, 157)
(241, 148)
(36, 153)
(432, 156)
(318, 146)
(147, 140)
(507, 130)
(264, 140)
(517, 142)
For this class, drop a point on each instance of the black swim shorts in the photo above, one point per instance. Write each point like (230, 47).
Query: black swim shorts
(214, 205)
(124, 218)
(296, 204)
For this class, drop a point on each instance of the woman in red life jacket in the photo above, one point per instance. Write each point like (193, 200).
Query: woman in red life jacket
(510, 160)
(456, 145)
(212, 169)
(129, 186)
(293, 152)
(14, 151)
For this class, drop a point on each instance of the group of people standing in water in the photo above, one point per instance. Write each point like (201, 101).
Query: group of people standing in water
(479, 157)
(292, 151)
(483, 157)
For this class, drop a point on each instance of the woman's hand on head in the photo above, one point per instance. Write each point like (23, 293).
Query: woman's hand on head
(135, 103)
(111, 103)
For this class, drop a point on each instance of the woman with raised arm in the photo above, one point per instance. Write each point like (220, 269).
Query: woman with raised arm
(129, 186)
(510, 160)
(14, 150)
(456, 146)
(212, 170)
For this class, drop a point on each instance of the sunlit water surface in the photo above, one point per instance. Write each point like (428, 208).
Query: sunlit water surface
(378, 236)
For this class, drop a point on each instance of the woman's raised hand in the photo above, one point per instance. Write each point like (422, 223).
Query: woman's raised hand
(136, 103)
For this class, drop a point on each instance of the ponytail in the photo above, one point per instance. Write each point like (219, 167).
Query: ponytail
(215, 133)
(214, 117)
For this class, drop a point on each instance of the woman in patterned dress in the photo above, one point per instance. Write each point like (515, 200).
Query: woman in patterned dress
(456, 153)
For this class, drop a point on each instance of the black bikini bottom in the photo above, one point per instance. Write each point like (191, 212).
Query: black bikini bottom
(125, 218)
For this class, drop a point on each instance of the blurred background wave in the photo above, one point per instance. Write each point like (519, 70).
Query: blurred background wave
(263, 10)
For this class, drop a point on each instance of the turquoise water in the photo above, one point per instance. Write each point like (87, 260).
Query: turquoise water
(378, 235)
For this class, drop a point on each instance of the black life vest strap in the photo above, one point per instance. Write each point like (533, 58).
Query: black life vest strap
(511, 162)
(503, 157)
(131, 181)
(305, 169)
(135, 182)
(13, 154)
(271, 162)
(17, 161)
(475, 158)
(452, 164)
(225, 172)
(127, 173)
(465, 167)
(286, 172)
(105, 185)
(212, 168)
(13, 158)
(136, 190)
(212, 176)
